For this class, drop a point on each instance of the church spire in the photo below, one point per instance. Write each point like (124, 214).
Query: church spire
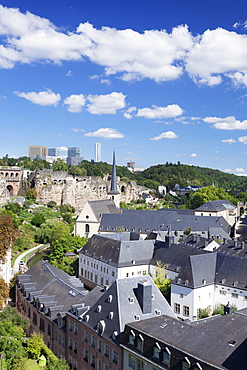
(113, 190)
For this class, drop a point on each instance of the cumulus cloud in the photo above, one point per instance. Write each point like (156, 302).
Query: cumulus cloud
(227, 170)
(193, 155)
(106, 133)
(239, 169)
(75, 103)
(165, 135)
(63, 148)
(41, 98)
(106, 104)
(170, 111)
(229, 141)
(228, 123)
(243, 139)
(76, 129)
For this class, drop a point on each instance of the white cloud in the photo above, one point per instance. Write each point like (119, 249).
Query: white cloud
(227, 170)
(106, 133)
(63, 148)
(239, 169)
(106, 104)
(75, 103)
(170, 111)
(217, 53)
(105, 81)
(193, 155)
(228, 123)
(229, 141)
(41, 98)
(243, 139)
(76, 129)
(165, 135)
(69, 74)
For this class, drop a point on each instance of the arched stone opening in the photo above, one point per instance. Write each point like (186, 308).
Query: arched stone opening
(10, 189)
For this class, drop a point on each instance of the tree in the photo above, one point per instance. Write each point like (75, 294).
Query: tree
(8, 234)
(34, 345)
(38, 219)
(11, 314)
(162, 281)
(4, 292)
(59, 165)
(208, 193)
(31, 194)
(52, 204)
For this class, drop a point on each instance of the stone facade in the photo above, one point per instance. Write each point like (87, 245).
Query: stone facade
(4, 193)
(77, 190)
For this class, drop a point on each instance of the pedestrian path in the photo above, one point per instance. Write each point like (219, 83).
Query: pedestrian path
(15, 268)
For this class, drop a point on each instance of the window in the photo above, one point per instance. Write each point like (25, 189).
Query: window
(139, 343)
(140, 365)
(132, 362)
(113, 273)
(186, 311)
(100, 327)
(223, 292)
(87, 228)
(106, 351)
(95, 278)
(166, 356)
(99, 365)
(131, 339)
(185, 364)
(86, 355)
(91, 276)
(115, 356)
(86, 335)
(75, 347)
(156, 352)
(181, 295)
(93, 341)
(93, 361)
(34, 318)
(234, 295)
(101, 281)
(49, 329)
(106, 367)
(75, 328)
(99, 345)
(177, 308)
(70, 343)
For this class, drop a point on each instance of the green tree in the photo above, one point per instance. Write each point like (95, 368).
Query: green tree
(14, 208)
(4, 292)
(208, 193)
(11, 314)
(52, 204)
(59, 165)
(38, 219)
(162, 281)
(31, 194)
(34, 345)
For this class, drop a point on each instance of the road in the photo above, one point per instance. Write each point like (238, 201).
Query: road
(15, 268)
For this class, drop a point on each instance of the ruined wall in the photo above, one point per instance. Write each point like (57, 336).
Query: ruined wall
(4, 193)
(77, 190)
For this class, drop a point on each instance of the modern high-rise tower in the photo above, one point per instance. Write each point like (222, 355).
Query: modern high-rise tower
(97, 152)
(74, 152)
(37, 151)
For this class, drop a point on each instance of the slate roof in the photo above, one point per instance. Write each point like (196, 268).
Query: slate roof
(197, 267)
(103, 206)
(53, 287)
(220, 341)
(217, 206)
(233, 247)
(119, 249)
(124, 306)
(146, 221)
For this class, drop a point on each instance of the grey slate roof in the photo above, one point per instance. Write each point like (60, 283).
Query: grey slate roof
(103, 206)
(216, 206)
(233, 247)
(145, 221)
(125, 306)
(119, 250)
(212, 340)
(53, 287)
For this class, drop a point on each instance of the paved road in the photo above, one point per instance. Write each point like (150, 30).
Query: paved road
(241, 230)
(15, 268)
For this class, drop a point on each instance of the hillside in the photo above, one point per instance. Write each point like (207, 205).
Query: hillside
(170, 174)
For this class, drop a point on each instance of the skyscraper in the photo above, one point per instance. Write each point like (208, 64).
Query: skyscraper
(97, 152)
(37, 151)
(74, 152)
(53, 152)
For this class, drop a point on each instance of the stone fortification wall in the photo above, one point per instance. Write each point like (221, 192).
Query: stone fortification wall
(77, 190)
(4, 193)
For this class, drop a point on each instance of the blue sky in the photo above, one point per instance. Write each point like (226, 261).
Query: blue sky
(156, 81)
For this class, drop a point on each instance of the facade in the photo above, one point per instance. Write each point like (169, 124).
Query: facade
(53, 152)
(37, 151)
(74, 161)
(97, 152)
(87, 224)
(219, 208)
(167, 343)
(74, 152)
(107, 258)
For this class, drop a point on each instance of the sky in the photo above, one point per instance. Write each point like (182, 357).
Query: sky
(161, 81)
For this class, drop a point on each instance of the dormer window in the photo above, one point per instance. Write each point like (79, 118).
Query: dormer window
(99, 308)
(109, 299)
(132, 338)
(139, 342)
(100, 327)
(111, 315)
(185, 364)
(156, 351)
(166, 356)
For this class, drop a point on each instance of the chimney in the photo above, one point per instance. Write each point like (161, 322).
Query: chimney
(227, 309)
(144, 296)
